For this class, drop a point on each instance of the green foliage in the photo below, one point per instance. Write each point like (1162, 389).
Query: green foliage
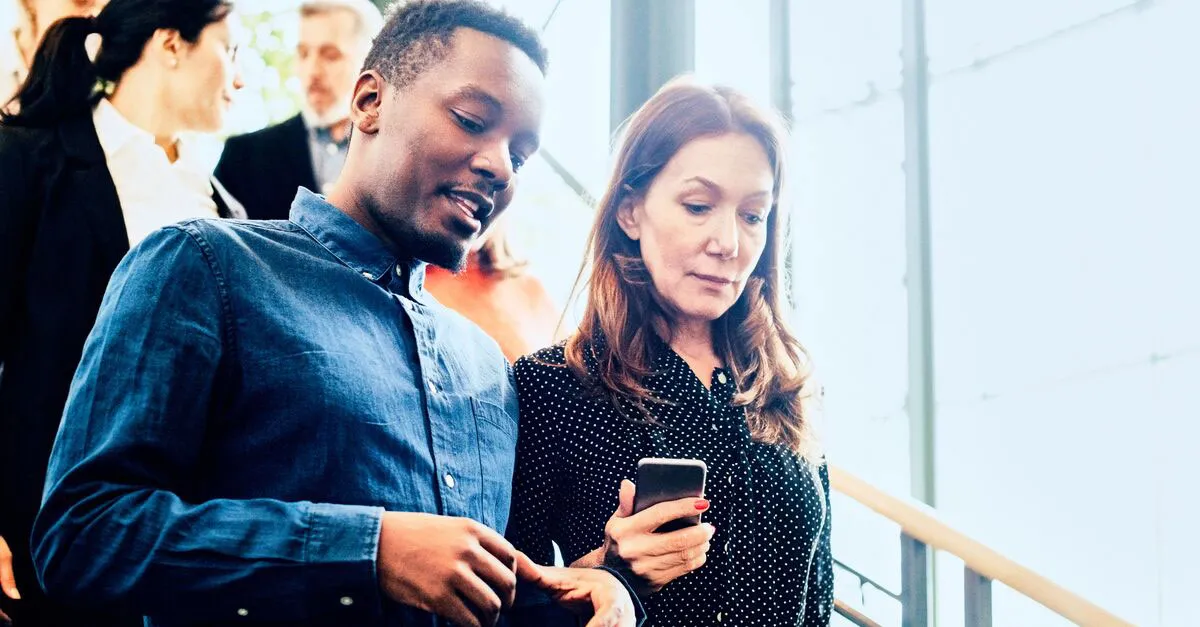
(265, 59)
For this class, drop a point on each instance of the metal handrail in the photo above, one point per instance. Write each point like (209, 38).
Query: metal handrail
(857, 618)
(921, 528)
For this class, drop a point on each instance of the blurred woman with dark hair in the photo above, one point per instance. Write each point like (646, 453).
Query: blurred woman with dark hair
(684, 352)
(91, 161)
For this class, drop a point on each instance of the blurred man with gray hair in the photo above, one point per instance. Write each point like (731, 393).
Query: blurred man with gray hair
(264, 169)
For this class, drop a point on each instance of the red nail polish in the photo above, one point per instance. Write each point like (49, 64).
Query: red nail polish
(702, 504)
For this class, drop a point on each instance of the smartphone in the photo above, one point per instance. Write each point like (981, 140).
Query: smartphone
(660, 480)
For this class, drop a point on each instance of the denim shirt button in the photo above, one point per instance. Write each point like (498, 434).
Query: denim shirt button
(449, 478)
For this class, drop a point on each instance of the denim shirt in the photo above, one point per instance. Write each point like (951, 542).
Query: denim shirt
(252, 398)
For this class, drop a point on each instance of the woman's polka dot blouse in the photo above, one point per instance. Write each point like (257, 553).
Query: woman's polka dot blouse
(770, 560)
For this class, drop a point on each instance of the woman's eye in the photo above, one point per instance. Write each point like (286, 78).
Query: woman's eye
(694, 208)
(517, 162)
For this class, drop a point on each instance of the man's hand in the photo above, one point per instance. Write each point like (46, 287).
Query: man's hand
(652, 560)
(8, 582)
(453, 567)
(585, 591)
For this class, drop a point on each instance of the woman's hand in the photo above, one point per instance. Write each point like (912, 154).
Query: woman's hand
(652, 560)
(593, 594)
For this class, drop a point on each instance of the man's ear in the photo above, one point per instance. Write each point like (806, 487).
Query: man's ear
(628, 218)
(365, 105)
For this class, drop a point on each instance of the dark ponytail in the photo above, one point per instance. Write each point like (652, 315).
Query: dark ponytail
(63, 81)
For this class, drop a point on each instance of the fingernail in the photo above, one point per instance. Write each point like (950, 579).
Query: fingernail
(711, 529)
(702, 504)
(13, 594)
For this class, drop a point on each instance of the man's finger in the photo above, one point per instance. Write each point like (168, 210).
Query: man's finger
(529, 571)
(560, 583)
(656, 516)
(8, 581)
(481, 601)
(505, 556)
(501, 577)
(498, 546)
(457, 612)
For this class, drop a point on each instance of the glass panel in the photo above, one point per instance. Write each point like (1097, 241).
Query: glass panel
(733, 46)
(960, 32)
(844, 54)
(548, 223)
(847, 192)
(1064, 230)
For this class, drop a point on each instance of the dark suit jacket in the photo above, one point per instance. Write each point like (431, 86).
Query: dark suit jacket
(62, 233)
(264, 169)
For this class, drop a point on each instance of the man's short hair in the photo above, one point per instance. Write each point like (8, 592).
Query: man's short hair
(417, 34)
(368, 19)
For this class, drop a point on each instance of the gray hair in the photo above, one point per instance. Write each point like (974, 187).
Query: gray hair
(367, 17)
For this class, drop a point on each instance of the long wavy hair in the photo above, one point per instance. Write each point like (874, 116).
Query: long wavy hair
(623, 323)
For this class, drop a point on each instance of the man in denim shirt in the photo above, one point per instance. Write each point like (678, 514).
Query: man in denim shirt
(273, 422)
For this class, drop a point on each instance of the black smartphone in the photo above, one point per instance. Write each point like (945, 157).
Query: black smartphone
(660, 480)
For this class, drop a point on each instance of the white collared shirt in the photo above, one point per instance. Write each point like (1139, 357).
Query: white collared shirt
(153, 191)
(328, 156)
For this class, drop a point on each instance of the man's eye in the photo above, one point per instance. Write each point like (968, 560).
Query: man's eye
(472, 126)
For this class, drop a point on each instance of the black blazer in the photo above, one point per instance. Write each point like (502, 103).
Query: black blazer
(62, 234)
(264, 169)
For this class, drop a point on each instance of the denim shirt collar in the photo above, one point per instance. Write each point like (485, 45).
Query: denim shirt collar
(355, 246)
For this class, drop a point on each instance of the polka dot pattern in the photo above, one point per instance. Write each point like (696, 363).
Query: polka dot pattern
(770, 561)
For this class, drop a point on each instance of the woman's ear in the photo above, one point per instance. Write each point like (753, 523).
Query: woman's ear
(629, 216)
(365, 105)
(167, 45)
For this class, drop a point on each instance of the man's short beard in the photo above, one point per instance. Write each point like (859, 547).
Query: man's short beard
(439, 252)
(445, 252)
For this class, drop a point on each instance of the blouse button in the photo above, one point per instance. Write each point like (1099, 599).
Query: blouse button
(720, 615)
(721, 378)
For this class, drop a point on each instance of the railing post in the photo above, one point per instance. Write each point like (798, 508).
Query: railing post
(978, 595)
(914, 581)
(657, 41)
(781, 58)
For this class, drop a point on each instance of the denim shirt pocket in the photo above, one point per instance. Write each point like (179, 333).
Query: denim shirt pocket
(497, 457)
